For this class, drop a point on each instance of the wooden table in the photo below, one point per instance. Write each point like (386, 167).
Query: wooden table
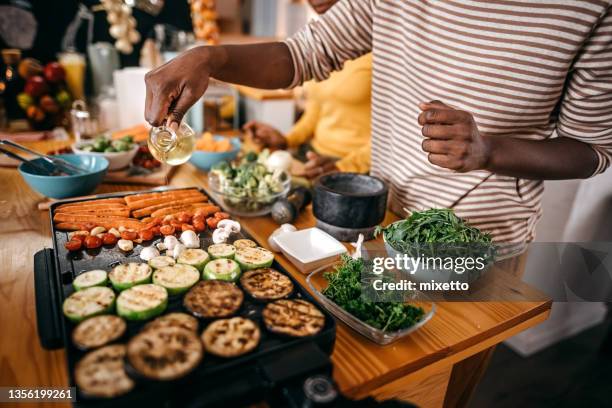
(438, 365)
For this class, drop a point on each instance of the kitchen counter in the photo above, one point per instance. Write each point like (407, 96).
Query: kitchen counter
(436, 366)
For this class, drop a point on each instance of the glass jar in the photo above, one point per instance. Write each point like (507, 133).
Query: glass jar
(172, 147)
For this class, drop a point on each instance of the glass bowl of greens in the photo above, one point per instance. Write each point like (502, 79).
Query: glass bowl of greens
(340, 289)
(247, 187)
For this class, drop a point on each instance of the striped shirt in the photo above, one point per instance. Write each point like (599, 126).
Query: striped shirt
(532, 69)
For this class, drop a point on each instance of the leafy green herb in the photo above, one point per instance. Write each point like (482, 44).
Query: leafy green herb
(344, 289)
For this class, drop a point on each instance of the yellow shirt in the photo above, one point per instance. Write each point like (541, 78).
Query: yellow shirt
(337, 116)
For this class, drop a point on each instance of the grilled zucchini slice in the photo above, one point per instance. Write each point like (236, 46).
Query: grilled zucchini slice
(161, 262)
(254, 258)
(194, 257)
(98, 331)
(97, 277)
(142, 302)
(176, 279)
(217, 251)
(131, 274)
(222, 269)
(244, 243)
(89, 302)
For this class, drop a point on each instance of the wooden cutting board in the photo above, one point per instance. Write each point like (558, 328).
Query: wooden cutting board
(160, 177)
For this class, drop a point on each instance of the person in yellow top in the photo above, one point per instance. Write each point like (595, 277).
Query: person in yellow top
(336, 120)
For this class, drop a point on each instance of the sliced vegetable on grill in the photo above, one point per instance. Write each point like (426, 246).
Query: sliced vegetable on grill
(213, 299)
(142, 302)
(217, 251)
(266, 284)
(89, 302)
(131, 274)
(165, 353)
(194, 257)
(176, 319)
(231, 337)
(244, 243)
(98, 331)
(176, 279)
(254, 258)
(97, 277)
(161, 261)
(101, 374)
(222, 269)
(296, 318)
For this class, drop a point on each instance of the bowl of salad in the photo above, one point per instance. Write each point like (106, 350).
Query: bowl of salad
(118, 152)
(247, 187)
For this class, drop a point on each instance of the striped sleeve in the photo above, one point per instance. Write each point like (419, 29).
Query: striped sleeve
(586, 110)
(342, 33)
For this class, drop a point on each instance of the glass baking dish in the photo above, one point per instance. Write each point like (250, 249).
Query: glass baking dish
(318, 283)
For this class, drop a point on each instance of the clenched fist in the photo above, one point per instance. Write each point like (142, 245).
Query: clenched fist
(452, 138)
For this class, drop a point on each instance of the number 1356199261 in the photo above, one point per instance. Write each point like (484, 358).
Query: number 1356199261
(36, 394)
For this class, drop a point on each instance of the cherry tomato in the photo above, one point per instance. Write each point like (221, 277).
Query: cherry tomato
(187, 227)
(156, 221)
(79, 237)
(198, 218)
(146, 234)
(221, 216)
(109, 239)
(130, 235)
(167, 229)
(92, 242)
(73, 245)
(199, 225)
(176, 224)
(212, 222)
(184, 218)
(155, 230)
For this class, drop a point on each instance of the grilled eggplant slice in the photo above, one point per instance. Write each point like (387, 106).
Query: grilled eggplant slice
(98, 331)
(89, 302)
(182, 320)
(142, 302)
(194, 257)
(128, 275)
(231, 337)
(100, 373)
(97, 277)
(266, 284)
(165, 353)
(213, 299)
(296, 318)
(176, 279)
(222, 269)
(217, 251)
(254, 258)
(161, 261)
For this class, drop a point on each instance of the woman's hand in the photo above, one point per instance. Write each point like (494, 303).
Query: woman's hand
(452, 138)
(265, 135)
(318, 165)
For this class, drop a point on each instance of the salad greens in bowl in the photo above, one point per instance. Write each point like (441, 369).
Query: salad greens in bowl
(247, 187)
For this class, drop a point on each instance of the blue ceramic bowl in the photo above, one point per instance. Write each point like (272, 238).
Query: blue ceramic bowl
(66, 186)
(205, 160)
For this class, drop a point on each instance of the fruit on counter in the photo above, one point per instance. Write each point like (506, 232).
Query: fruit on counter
(125, 276)
(221, 251)
(54, 72)
(85, 280)
(295, 317)
(231, 337)
(266, 284)
(98, 331)
(222, 269)
(24, 100)
(176, 319)
(36, 86)
(28, 67)
(48, 104)
(208, 143)
(213, 299)
(176, 279)
(254, 258)
(142, 302)
(64, 99)
(35, 113)
(195, 257)
(89, 302)
(101, 373)
(165, 353)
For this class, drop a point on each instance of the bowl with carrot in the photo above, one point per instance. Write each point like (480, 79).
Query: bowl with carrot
(212, 149)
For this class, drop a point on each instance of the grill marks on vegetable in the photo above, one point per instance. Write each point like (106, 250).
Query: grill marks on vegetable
(296, 318)
(231, 337)
(213, 298)
(101, 373)
(266, 284)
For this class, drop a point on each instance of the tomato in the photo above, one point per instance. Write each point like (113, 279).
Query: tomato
(130, 235)
(146, 234)
(167, 229)
(73, 245)
(187, 227)
(212, 222)
(184, 218)
(155, 230)
(221, 215)
(92, 242)
(199, 225)
(198, 218)
(176, 224)
(156, 221)
(79, 237)
(109, 239)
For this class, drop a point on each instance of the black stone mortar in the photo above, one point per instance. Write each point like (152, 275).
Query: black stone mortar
(347, 204)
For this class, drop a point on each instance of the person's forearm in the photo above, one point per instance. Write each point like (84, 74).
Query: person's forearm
(553, 159)
(265, 65)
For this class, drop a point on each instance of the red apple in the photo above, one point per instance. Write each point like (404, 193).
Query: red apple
(36, 86)
(54, 72)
